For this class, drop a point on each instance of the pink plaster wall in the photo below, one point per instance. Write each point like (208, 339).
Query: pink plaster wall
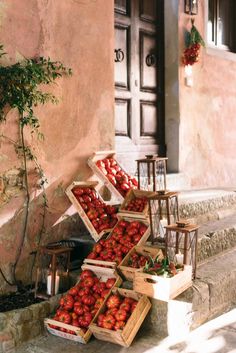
(79, 33)
(207, 115)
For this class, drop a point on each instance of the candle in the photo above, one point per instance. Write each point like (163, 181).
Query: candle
(49, 283)
(179, 258)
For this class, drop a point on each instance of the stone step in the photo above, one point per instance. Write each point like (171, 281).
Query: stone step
(213, 292)
(216, 237)
(207, 204)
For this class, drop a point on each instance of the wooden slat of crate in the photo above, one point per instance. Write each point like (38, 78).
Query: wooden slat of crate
(129, 272)
(80, 336)
(124, 337)
(132, 194)
(90, 184)
(92, 164)
(161, 288)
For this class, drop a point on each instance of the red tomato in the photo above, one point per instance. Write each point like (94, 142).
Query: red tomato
(100, 319)
(88, 300)
(97, 248)
(67, 302)
(83, 291)
(119, 325)
(86, 273)
(78, 191)
(121, 315)
(73, 291)
(79, 310)
(92, 255)
(133, 306)
(113, 301)
(105, 292)
(108, 322)
(88, 282)
(65, 317)
(125, 306)
(110, 282)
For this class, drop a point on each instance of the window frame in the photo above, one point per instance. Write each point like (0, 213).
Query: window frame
(221, 51)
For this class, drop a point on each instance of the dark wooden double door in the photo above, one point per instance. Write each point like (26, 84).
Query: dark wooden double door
(139, 81)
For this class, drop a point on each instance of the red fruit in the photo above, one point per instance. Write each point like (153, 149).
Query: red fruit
(78, 191)
(68, 302)
(113, 301)
(125, 306)
(129, 300)
(79, 310)
(73, 291)
(121, 315)
(75, 323)
(119, 325)
(110, 282)
(105, 292)
(98, 302)
(97, 248)
(88, 282)
(100, 319)
(83, 291)
(86, 273)
(88, 317)
(108, 322)
(65, 317)
(112, 311)
(74, 315)
(88, 300)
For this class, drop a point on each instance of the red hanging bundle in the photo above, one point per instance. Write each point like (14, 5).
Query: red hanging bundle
(194, 43)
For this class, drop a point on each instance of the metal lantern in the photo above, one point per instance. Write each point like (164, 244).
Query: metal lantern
(152, 173)
(163, 210)
(181, 243)
(53, 264)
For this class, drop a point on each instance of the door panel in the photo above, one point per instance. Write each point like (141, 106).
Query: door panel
(121, 56)
(148, 62)
(139, 89)
(148, 119)
(148, 10)
(122, 113)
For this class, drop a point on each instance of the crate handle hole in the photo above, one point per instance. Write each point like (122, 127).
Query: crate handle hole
(149, 280)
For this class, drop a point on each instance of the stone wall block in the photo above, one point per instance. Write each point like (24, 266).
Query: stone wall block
(3, 321)
(21, 315)
(29, 330)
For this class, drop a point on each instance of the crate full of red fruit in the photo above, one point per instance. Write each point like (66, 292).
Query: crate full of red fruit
(98, 217)
(125, 235)
(135, 203)
(136, 259)
(120, 317)
(162, 279)
(81, 304)
(106, 167)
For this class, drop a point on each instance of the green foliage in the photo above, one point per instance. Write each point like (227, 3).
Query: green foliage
(194, 37)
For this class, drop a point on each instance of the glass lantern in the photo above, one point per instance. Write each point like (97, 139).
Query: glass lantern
(152, 173)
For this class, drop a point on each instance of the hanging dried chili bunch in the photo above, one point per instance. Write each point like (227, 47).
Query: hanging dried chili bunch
(194, 42)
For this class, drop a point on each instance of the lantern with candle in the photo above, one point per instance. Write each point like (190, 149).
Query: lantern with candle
(49, 273)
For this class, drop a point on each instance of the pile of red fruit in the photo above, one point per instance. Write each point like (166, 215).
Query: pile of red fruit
(101, 216)
(136, 260)
(117, 313)
(137, 204)
(118, 177)
(191, 54)
(124, 236)
(81, 303)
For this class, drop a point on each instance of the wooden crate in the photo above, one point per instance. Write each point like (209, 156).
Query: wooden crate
(161, 288)
(132, 194)
(79, 335)
(141, 242)
(129, 272)
(92, 164)
(124, 337)
(90, 184)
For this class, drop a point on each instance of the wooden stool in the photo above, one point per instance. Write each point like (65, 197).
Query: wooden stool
(54, 253)
(185, 239)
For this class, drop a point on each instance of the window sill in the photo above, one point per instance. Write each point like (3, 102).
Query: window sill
(220, 53)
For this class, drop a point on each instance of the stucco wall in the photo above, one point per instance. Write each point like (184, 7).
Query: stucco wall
(79, 33)
(207, 115)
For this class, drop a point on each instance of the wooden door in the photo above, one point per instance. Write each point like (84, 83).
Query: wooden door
(139, 81)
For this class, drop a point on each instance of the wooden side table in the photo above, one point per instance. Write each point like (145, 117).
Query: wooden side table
(54, 254)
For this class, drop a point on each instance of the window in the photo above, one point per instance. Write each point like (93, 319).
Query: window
(221, 26)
